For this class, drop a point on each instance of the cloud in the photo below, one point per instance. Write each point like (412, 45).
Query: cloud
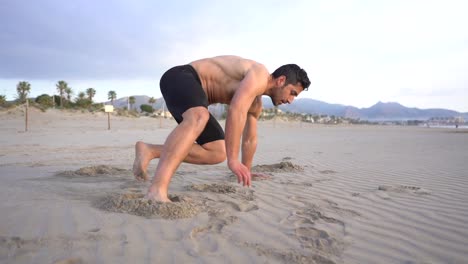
(356, 52)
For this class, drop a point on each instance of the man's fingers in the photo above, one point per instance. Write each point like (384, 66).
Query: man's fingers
(243, 175)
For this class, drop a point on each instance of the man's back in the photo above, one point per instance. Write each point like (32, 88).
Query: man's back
(221, 76)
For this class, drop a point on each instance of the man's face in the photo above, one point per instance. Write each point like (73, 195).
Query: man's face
(285, 94)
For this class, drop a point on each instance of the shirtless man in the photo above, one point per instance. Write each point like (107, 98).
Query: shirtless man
(188, 90)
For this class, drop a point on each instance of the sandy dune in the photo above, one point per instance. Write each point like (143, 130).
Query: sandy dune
(337, 194)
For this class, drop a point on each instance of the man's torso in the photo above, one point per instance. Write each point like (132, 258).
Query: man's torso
(221, 77)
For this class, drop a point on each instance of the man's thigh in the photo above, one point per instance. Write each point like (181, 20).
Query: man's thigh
(212, 132)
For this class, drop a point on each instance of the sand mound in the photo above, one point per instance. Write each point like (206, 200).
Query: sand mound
(137, 204)
(93, 171)
(403, 189)
(213, 187)
(284, 166)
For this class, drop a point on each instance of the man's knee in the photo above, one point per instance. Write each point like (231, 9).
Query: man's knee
(197, 116)
(220, 156)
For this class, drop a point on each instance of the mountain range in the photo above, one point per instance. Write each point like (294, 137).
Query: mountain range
(380, 111)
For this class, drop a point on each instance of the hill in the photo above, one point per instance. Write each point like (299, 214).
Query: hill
(380, 111)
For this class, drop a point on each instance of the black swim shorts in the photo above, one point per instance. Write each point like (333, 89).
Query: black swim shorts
(181, 88)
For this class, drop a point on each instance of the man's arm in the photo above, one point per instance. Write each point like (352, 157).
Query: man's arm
(249, 137)
(251, 86)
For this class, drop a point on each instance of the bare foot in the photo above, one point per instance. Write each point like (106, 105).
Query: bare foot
(142, 159)
(158, 197)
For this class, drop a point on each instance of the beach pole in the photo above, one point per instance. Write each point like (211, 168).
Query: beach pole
(163, 115)
(108, 109)
(26, 116)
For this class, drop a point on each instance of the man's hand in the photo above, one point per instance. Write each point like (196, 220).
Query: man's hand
(241, 171)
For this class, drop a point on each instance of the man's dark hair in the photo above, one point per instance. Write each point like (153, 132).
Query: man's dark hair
(293, 74)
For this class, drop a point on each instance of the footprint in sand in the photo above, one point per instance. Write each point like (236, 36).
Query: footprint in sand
(341, 211)
(200, 235)
(317, 239)
(313, 214)
(215, 225)
(237, 192)
(242, 207)
(288, 255)
(238, 198)
(137, 204)
(404, 189)
(320, 242)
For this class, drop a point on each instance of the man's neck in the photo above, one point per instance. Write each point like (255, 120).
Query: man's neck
(270, 85)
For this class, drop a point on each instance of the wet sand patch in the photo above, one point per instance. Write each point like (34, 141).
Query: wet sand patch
(137, 204)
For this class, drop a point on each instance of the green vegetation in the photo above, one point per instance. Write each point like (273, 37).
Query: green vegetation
(4, 103)
(112, 95)
(23, 89)
(91, 93)
(82, 101)
(146, 108)
(69, 93)
(61, 87)
(131, 101)
(45, 101)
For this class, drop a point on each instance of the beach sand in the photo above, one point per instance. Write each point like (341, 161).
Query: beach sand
(337, 194)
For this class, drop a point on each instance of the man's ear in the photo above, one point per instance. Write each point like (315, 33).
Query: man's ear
(281, 80)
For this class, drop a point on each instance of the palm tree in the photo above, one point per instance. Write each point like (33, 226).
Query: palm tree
(82, 101)
(61, 87)
(23, 89)
(152, 100)
(131, 101)
(69, 93)
(81, 95)
(111, 96)
(91, 93)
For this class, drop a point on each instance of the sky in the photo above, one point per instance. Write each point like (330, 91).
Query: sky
(355, 52)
